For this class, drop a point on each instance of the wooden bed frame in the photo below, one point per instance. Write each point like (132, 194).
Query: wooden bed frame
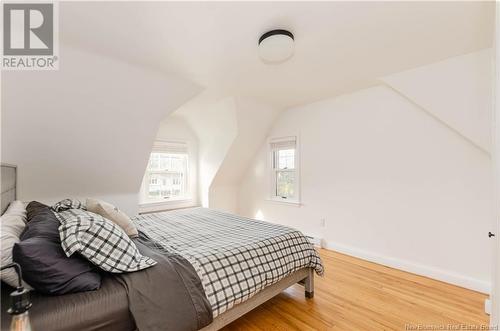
(303, 276)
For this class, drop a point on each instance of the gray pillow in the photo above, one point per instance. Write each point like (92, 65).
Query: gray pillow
(44, 263)
(101, 241)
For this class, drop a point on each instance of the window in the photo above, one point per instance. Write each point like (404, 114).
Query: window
(284, 169)
(166, 176)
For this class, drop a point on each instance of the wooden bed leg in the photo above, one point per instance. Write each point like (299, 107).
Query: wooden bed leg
(309, 284)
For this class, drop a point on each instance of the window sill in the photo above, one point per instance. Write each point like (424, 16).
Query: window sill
(146, 207)
(285, 202)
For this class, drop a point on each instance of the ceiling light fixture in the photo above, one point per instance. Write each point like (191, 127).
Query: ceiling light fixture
(276, 46)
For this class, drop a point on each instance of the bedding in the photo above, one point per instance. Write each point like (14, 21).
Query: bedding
(235, 257)
(168, 294)
(68, 204)
(105, 309)
(206, 262)
(101, 241)
(44, 264)
(113, 214)
(34, 208)
(12, 223)
(41, 222)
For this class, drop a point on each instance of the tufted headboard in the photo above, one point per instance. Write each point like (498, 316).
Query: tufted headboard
(9, 182)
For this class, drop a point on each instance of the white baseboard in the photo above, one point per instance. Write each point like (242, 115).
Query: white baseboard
(416, 268)
(487, 306)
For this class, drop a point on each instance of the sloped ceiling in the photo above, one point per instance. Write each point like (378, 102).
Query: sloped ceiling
(340, 46)
(86, 129)
(118, 104)
(457, 91)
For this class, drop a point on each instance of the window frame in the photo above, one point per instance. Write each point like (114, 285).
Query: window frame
(167, 147)
(274, 170)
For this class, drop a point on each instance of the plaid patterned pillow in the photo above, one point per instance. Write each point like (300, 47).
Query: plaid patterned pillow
(100, 241)
(68, 204)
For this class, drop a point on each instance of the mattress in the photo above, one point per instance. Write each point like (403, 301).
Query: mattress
(104, 309)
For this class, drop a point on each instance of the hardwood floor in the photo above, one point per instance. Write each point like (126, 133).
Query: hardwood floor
(358, 295)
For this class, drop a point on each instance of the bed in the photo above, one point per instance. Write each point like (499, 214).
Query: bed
(238, 262)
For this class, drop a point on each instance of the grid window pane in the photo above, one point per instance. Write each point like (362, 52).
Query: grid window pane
(167, 176)
(286, 159)
(285, 184)
(167, 162)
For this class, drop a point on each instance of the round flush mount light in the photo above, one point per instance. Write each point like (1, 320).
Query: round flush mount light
(276, 46)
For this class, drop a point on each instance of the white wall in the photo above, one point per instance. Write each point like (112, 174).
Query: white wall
(254, 120)
(394, 185)
(224, 197)
(494, 303)
(230, 131)
(457, 91)
(215, 123)
(175, 129)
(87, 129)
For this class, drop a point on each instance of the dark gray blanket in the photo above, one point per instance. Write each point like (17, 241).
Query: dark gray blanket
(167, 296)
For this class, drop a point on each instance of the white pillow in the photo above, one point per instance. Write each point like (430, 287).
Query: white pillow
(113, 214)
(17, 208)
(12, 224)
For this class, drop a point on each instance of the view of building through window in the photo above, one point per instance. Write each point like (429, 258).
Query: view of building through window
(166, 176)
(284, 165)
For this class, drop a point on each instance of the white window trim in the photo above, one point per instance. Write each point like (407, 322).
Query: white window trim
(272, 172)
(172, 203)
